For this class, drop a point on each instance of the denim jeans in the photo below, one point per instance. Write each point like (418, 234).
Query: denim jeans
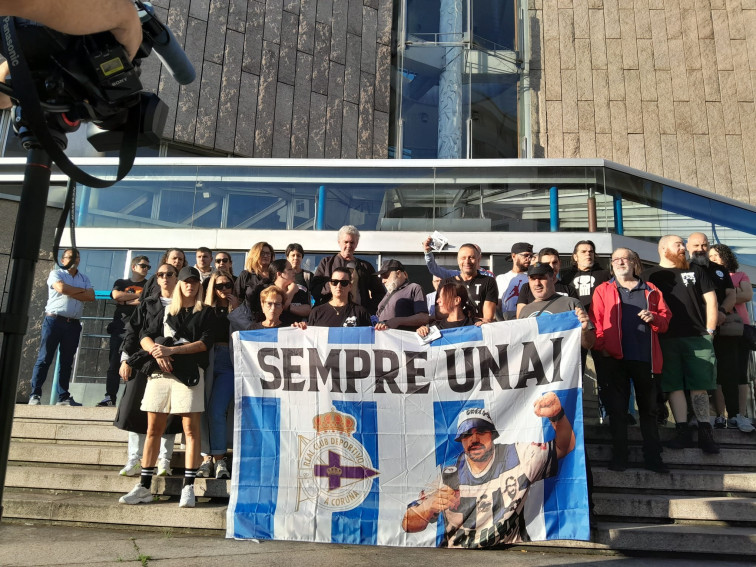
(220, 397)
(57, 332)
(113, 379)
(136, 446)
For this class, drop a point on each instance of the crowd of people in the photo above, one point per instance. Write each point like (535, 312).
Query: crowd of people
(668, 333)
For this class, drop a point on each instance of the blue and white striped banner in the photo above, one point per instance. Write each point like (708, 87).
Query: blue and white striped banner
(341, 434)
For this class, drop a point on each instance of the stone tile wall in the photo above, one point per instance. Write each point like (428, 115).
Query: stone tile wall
(279, 78)
(665, 86)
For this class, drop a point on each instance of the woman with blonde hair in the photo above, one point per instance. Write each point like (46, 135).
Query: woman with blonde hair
(222, 301)
(255, 277)
(175, 354)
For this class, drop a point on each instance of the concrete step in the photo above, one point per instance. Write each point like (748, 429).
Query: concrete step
(65, 431)
(728, 458)
(678, 481)
(739, 509)
(725, 437)
(65, 413)
(99, 509)
(69, 479)
(711, 541)
(64, 453)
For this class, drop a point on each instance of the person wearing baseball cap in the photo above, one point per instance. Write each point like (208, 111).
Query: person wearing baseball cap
(509, 284)
(403, 307)
(498, 474)
(542, 280)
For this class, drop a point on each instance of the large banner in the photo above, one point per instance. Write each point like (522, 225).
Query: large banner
(350, 435)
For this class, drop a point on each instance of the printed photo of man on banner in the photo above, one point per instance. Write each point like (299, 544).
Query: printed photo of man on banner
(348, 435)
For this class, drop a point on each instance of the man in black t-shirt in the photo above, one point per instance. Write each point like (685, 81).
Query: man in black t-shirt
(126, 294)
(726, 349)
(482, 289)
(689, 362)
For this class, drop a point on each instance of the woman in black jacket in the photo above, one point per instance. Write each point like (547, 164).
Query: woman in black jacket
(255, 277)
(174, 354)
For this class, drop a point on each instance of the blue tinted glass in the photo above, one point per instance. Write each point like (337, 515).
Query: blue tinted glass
(493, 24)
(494, 116)
(103, 267)
(423, 17)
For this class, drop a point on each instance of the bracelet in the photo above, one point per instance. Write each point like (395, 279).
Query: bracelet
(558, 416)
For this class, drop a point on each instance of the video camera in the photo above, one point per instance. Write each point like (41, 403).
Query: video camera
(91, 79)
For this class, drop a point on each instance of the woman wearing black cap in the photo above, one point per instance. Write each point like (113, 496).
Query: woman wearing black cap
(176, 355)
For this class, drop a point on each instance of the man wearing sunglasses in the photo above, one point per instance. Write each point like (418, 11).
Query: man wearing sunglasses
(126, 294)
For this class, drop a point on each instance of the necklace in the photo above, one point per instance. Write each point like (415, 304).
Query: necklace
(337, 309)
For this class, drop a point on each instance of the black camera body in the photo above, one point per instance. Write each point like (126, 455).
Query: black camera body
(91, 79)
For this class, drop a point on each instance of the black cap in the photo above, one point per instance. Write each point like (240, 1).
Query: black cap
(189, 272)
(389, 266)
(540, 270)
(520, 247)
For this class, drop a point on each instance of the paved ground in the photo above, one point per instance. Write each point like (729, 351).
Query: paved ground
(37, 545)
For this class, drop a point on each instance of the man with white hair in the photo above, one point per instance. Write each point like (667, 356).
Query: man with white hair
(687, 349)
(367, 290)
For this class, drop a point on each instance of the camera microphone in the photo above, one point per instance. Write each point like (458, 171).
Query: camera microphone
(165, 45)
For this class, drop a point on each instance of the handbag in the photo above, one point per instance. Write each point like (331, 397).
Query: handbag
(732, 327)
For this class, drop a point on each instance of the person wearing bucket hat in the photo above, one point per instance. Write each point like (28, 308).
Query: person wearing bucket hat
(509, 284)
(497, 474)
(403, 307)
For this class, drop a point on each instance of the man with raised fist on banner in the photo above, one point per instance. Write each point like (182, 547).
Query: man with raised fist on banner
(482, 495)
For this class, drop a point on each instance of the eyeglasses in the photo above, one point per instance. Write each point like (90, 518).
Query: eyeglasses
(224, 285)
(342, 283)
(526, 255)
(265, 253)
(222, 260)
(271, 304)
(144, 266)
(165, 275)
(620, 260)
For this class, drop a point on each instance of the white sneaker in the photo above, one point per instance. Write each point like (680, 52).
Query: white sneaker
(133, 467)
(187, 497)
(164, 468)
(744, 424)
(139, 494)
(206, 469)
(221, 469)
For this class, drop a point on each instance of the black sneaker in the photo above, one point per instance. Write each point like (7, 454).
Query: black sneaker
(656, 466)
(106, 403)
(683, 438)
(69, 401)
(618, 465)
(706, 439)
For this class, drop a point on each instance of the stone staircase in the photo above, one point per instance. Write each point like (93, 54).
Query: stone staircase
(64, 462)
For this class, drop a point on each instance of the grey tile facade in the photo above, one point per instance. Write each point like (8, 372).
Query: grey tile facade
(279, 78)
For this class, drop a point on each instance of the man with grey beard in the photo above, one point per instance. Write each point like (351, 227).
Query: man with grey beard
(687, 349)
(404, 305)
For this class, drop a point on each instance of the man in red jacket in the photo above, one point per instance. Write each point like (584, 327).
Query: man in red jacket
(628, 314)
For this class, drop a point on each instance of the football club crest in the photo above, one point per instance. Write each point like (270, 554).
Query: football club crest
(334, 469)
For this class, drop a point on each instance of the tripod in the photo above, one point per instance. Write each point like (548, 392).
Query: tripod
(27, 239)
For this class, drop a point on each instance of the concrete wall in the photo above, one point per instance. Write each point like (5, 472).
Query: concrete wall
(45, 263)
(665, 86)
(280, 78)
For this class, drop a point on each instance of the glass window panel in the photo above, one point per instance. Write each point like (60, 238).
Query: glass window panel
(493, 24)
(494, 116)
(102, 267)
